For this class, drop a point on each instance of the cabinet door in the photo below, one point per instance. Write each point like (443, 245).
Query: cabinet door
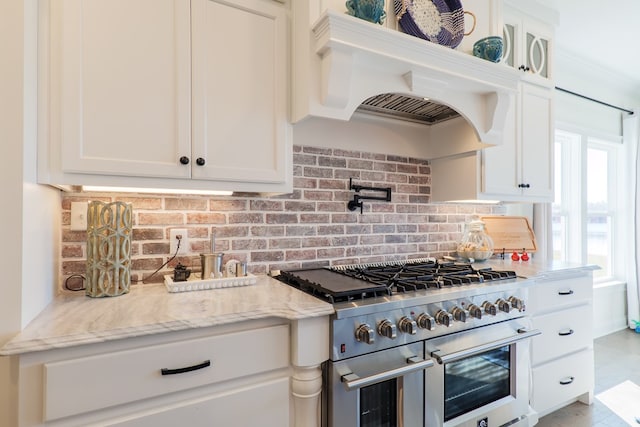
(240, 128)
(500, 171)
(521, 168)
(537, 51)
(124, 82)
(511, 34)
(528, 46)
(536, 157)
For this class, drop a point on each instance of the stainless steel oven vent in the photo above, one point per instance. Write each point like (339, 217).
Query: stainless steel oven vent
(408, 108)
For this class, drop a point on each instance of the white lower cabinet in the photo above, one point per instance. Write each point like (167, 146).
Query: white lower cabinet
(565, 332)
(229, 376)
(258, 405)
(563, 381)
(562, 356)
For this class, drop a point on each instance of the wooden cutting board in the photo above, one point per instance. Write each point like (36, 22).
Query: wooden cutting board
(511, 233)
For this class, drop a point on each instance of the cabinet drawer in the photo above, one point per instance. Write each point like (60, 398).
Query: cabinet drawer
(553, 294)
(563, 332)
(562, 380)
(96, 382)
(269, 403)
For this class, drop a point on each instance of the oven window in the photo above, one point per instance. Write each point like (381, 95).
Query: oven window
(476, 381)
(378, 405)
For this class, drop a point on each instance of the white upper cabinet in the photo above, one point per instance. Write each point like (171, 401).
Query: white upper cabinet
(124, 73)
(522, 169)
(166, 94)
(519, 170)
(239, 90)
(528, 44)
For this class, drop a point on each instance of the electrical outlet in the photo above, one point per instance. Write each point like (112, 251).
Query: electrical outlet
(173, 241)
(79, 216)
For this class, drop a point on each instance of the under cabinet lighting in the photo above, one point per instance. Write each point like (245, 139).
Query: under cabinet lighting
(154, 190)
(483, 202)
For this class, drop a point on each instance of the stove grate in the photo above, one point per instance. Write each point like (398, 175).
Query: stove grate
(357, 282)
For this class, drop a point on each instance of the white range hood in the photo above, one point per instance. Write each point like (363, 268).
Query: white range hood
(343, 61)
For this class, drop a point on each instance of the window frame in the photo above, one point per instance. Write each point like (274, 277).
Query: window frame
(573, 196)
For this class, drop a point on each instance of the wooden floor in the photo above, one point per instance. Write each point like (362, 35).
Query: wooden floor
(617, 359)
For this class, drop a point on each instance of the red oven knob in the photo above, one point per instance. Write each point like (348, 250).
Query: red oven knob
(387, 329)
(444, 318)
(503, 305)
(408, 326)
(425, 321)
(365, 334)
(516, 303)
(489, 308)
(475, 311)
(459, 314)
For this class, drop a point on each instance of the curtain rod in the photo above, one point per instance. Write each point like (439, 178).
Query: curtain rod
(594, 100)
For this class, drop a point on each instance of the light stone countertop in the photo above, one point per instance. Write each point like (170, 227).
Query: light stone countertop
(534, 269)
(75, 319)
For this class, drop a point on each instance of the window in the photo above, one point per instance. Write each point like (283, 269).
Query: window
(586, 212)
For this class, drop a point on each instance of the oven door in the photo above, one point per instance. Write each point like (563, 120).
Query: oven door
(481, 377)
(381, 389)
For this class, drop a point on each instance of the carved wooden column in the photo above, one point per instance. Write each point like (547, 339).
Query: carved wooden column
(306, 388)
(309, 348)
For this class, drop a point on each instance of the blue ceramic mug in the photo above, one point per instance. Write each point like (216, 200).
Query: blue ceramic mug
(369, 10)
(489, 48)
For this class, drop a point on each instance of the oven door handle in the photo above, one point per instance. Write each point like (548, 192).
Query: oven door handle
(523, 334)
(352, 381)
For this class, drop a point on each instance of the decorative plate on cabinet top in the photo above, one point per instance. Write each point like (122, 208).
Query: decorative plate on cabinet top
(438, 21)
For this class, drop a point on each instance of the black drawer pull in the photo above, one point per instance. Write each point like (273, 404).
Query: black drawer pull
(565, 332)
(567, 292)
(566, 381)
(205, 364)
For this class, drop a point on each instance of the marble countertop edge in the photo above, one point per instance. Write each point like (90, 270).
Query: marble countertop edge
(41, 344)
(74, 320)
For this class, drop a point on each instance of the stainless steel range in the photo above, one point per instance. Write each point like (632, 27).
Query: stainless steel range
(423, 343)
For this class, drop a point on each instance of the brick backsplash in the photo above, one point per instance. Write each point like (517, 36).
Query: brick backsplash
(309, 227)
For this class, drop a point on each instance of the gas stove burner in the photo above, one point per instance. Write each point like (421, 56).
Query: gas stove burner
(423, 274)
(362, 281)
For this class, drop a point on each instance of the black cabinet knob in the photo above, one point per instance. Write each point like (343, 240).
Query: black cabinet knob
(524, 185)
(200, 161)
(184, 160)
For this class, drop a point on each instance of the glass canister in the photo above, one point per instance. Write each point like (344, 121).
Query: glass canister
(475, 245)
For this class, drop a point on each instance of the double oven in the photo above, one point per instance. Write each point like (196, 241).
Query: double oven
(411, 348)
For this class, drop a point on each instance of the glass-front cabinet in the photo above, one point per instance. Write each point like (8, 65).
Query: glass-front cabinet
(528, 44)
